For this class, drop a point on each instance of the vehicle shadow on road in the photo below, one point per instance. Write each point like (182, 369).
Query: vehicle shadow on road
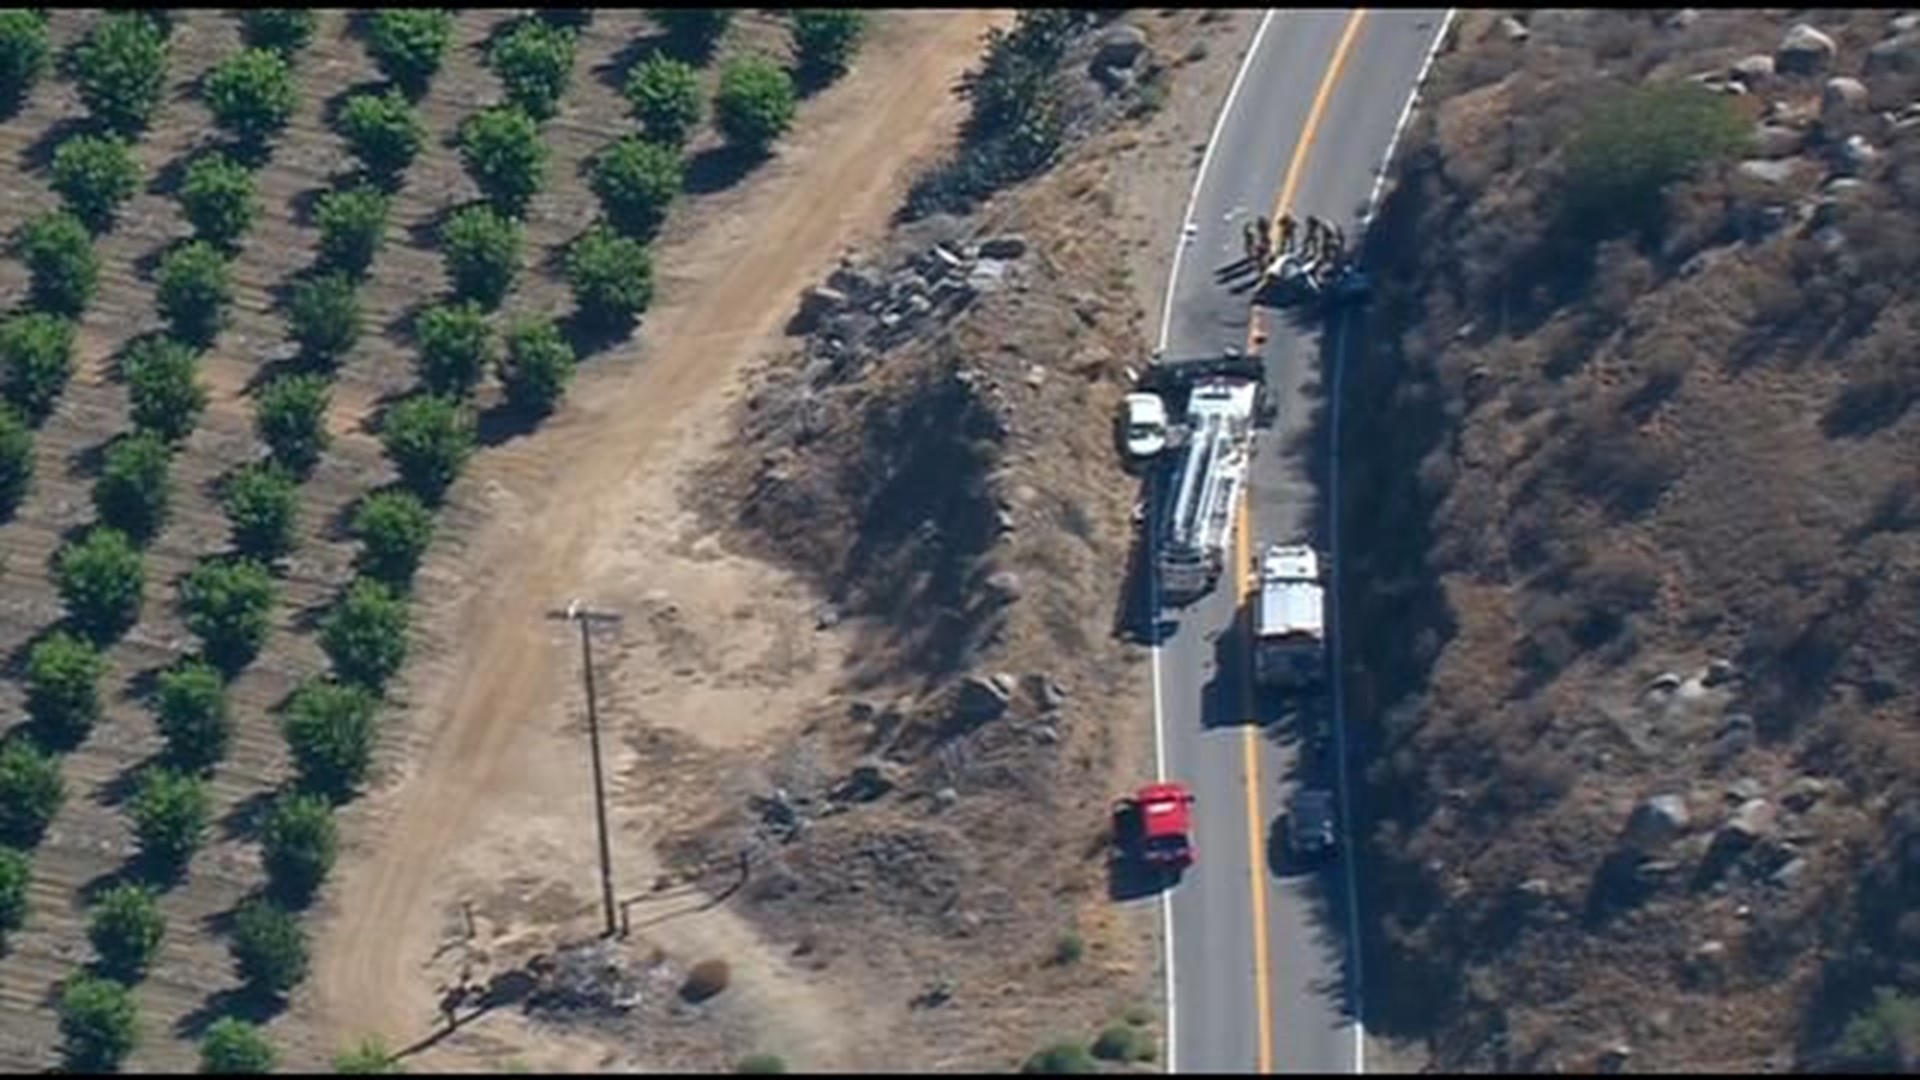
(1322, 883)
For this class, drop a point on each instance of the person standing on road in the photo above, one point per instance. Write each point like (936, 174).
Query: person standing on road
(1287, 229)
(1247, 240)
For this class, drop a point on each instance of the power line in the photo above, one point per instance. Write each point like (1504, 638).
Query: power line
(585, 618)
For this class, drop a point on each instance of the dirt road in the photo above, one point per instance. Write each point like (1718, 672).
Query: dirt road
(558, 509)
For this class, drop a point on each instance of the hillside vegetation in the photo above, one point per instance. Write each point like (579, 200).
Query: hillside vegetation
(1633, 555)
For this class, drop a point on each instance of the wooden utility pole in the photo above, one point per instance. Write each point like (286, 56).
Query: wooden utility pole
(584, 618)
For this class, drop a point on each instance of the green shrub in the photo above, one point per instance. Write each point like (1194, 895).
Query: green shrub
(365, 635)
(1121, 1042)
(324, 314)
(16, 875)
(536, 367)
(63, 687)
(94, 175)
(59, 254)
(290, 418)
(1626, 152)
(24, 53)
(99, 1024)
(193, 291)
(456, 348)
(1885, 1035)
(482, 251)
(284, 30)
(269, 947)
(298, 846)
(394, 528)
(131, 492)
(1061, 1057)
(693, 32)
(170, 812)
(252, 95)
(665, 95)
(329, 728)
(190, 708)
(227, 604)
(534, 61)
(31, 791)
(235, 1047)
(825, 40)
(217, 197)
(352, 225)
(1069, 949)
(428, 438)
(383, 131)
(611, 276)
(409, 44)
(370, 1058)
(262, 503)
(126, 931)
(121, 68)
(36, 354)
(101, 582)
(762, 1065)
(636, 181)
(163, 386)
(16, 460)
(755, 104)
(503, 153)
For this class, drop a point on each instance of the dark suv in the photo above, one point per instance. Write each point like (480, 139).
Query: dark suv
(1311, 832)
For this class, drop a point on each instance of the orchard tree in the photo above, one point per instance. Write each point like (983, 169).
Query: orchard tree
(693, 32)
(665, 95)
(190, 707)
(24, 53)
(31, 791)
(99, 1024)
(227, 603)
(126, 931)
(59, 255)
(217, 197)
(482, 251)
(537, 366)
(612, 277)
(16, 874)
(365, 635)
(235, 1047)
(94, 175)
(251, 95)
(130, 493)
(502, 150)
(352, 224)
(121, 69)
(163, 383)
(409, 45)
(534, 61)
(36, 356)
(636, 181)
(825, 39)
(63, 687)
(456, 347)
(101, 581)
(284, 30)
(383, 131)
(290, 418)
(16, 460)
(171, 812)
(394, 528)
(262, 502)
(193, 291)
(269, 947)
(298, 846)
(428, 438)
(324, 314)
(369, 1057)
(755, 103)
(329, 728)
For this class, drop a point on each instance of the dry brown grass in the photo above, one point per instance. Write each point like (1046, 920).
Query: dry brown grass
(1580, 480)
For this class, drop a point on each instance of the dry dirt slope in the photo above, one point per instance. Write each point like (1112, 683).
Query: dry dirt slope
(1647, 529)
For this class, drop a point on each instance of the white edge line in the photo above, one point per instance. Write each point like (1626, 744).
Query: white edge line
(1153, 582)
(1333, 539)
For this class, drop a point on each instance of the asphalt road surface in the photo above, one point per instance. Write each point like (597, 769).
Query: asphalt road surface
(1260, 959)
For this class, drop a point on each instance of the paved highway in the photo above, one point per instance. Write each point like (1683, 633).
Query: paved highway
(1258, 959)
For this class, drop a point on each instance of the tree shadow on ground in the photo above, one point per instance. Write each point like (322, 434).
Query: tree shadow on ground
(503, 423)
(718, 168)
(615, 71)
(38, 154)
(242, 1002)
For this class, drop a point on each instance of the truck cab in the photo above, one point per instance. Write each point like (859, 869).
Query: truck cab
(1289, 619)
(1155, 827)
(1143, 426)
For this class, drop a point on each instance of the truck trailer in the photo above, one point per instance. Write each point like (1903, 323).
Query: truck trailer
(1289, 619)
(1208, 460)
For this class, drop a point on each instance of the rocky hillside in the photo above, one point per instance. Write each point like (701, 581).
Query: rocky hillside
(1633, 556)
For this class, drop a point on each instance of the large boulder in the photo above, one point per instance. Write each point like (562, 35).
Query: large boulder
(1775, 141)
(1892, 70)
(1803, 51)
(1843, 97)
(1753, 70)
(1657, 822)
(980, 699)
(1121, 47)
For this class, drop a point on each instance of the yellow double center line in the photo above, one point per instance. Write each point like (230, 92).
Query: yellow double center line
(1244, 579)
